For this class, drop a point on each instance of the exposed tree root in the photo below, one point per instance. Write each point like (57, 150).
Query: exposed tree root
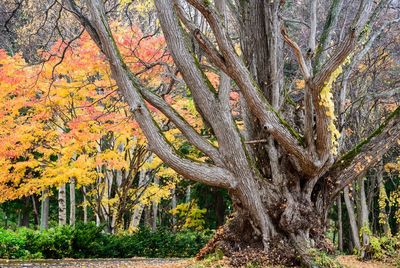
(237, 240)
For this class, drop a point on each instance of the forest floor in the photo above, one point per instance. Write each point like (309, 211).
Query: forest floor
(346, 261)
(351, 261)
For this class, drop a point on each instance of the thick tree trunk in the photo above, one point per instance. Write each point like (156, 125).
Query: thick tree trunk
(62, 205)
(292, 232)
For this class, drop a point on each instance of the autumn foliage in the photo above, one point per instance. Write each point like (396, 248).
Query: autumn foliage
(64, 119)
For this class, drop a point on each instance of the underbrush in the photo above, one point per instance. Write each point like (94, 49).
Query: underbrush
(385, 247)
(89, 241)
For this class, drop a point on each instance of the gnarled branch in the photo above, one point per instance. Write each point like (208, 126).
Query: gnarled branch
(364, 155)
(130, 88)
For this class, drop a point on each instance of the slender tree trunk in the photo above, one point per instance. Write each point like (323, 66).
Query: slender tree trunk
(155, 208)
(105, 207)
(383, 215)
(364, 218)
(72, 201)
(62, 205)
(147, 216)
(35, 211)
(370, 195)
(85, 207)
(340, 223)
(188, 194)
(25, 213)
(114, 224)
(98, 221)
(352, 219)
(173, 206)
(137, 212)
(5, 221)
(44, 211)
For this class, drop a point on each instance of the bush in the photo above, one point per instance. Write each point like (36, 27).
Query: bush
(383, 247)
(12, 245)
(321, 259)
(55, 243)
(89, 241)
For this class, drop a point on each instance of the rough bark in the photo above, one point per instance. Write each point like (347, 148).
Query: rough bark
(62, 205)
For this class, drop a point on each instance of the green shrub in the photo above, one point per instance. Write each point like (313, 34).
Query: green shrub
(381, 247)
(89, 241)
(12, 245)
(54, 243)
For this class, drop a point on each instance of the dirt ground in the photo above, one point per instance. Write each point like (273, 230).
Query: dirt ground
(346, 261)
(352, 262)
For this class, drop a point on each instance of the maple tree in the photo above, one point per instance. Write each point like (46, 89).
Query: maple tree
(64, 121)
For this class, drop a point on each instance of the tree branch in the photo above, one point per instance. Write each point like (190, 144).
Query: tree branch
(187, 130)
(330, 23)
(367, 153)
(129, 86)
(211, 51)
(324, 135)
(257, 102)
(204, 94)
(297, 53)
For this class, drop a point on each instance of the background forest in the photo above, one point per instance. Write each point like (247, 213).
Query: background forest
(75, 165)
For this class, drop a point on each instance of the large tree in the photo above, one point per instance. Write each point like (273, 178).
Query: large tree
(286, 166)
